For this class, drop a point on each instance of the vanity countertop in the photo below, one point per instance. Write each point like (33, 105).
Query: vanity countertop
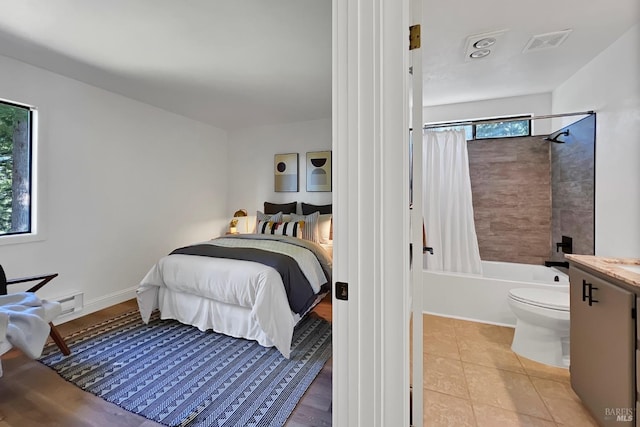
(625, 269)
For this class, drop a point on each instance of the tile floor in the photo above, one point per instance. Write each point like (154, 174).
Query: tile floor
(472, 378)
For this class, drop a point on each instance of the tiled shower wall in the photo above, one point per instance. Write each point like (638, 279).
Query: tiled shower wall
(511, 187)
(572, 190)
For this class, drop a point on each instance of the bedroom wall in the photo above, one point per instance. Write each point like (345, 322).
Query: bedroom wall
(614, 93)
(251, 163)
(537, 104)
(123, 184)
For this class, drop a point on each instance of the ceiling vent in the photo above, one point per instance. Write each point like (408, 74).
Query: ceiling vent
(546, 41)
(481, 45)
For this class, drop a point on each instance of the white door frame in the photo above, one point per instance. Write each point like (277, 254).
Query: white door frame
(417, 224)
(371, 215)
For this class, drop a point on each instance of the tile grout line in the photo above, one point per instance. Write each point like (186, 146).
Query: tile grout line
(543, 401)
(524, 372)
(464, 376)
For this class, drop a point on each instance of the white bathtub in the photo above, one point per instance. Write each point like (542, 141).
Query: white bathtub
(484, 298)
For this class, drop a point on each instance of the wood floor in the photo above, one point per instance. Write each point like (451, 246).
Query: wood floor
(32, 395)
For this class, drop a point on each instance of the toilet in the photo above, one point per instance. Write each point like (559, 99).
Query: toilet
(542, 328)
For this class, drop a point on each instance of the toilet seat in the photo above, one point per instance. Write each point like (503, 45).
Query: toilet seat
(543, 298)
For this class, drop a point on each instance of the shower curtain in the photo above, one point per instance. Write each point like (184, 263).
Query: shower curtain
(448, 208)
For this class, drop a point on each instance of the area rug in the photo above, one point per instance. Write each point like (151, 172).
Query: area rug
(177, 375)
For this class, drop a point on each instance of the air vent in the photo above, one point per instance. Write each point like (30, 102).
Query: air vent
(546, 41)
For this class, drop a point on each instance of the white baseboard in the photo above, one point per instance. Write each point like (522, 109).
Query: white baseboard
(469, 319)
(98, 304)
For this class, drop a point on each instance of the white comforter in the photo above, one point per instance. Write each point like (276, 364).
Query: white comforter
(221, 287)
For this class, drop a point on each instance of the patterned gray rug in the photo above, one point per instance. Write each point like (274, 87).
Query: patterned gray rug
(179, 376)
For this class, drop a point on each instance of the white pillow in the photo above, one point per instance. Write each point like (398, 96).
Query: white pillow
(310, 230)
(324, 228)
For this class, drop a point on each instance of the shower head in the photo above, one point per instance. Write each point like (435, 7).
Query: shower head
(554, 136)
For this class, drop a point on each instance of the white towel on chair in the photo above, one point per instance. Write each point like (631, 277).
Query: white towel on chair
(24, 317)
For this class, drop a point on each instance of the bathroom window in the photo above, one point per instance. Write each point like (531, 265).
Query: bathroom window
(506, 129)
(502, 129)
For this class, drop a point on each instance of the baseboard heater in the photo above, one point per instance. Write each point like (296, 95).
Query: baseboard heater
(71, 303)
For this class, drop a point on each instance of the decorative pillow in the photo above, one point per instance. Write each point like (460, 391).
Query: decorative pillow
(324, 228)
(308, 209)
(264, 227)
(310, 231)
(277, 217)
(268, 218)
(293, 228)
(272, 208)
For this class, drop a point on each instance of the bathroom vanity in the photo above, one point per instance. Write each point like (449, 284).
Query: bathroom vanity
(605, 296)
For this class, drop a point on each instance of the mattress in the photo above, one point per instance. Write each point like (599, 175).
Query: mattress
(240, 298)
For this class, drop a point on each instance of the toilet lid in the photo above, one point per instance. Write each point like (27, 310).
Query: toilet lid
(542, 298)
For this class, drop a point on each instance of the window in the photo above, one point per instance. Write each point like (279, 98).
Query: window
(503, 129)
(15, 168)
(506, 129)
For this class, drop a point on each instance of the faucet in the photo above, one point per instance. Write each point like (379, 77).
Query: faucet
(564, 264)
(566, 245)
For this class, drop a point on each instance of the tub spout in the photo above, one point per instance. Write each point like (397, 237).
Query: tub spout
(564, 264)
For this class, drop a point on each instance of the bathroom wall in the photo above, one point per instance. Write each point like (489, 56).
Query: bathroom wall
(511, 188)
(609, 84)
(572, 188)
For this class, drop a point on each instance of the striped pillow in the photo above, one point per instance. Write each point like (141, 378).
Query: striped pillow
(264, 227)
(266, 217)
(293, 228)
(310, 231)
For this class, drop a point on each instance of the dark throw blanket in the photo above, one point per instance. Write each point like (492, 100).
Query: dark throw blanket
(299, 292)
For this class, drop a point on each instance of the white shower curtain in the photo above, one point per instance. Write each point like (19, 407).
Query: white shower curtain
(448, 208)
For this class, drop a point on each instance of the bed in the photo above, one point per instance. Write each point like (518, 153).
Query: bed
(253, 286)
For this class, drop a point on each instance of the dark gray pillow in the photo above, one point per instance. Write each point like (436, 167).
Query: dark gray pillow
(286, 208)
(308, 209)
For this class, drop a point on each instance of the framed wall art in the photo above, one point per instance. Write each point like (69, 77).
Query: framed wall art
(286, 172)
(319, 171)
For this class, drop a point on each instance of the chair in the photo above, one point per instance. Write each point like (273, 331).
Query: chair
(43, 280)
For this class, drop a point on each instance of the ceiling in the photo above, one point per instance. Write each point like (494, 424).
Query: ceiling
(253, 62)
(450, 78)
(230, 63)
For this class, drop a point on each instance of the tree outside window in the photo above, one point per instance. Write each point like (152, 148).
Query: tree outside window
(15, 169)
(502, 129)
(506, 129)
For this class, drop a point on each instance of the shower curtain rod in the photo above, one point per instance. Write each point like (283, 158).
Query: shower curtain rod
(507, 119)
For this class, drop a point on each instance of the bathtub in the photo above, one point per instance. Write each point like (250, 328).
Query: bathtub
(484, 298)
